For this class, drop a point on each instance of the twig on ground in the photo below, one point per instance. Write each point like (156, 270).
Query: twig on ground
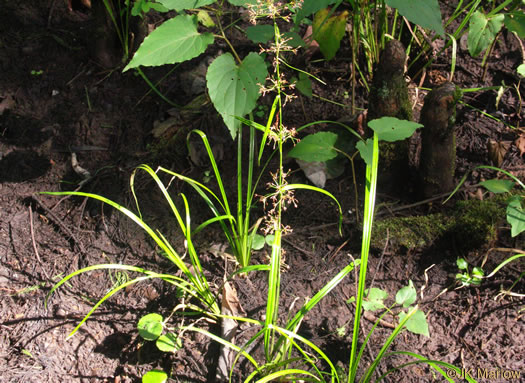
(34, 242)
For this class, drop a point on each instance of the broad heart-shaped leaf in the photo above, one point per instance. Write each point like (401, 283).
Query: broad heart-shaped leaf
(498, 186)
(174, 41)
(424, 13)
(150, 326)
(393, 129)
(515, 22)
(366, 150)
(482, 31)
(233, 89)
(329, 32)
(417, 322)
(260, 33)
(179, 5)
(516, 215)
(316, 147)
(406, 295)
(155, 376)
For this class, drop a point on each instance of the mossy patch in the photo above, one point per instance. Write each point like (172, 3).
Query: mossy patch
(471, 224)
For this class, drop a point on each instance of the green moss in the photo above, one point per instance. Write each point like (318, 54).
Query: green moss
(476, 221)
(409, 232)
(470, 224)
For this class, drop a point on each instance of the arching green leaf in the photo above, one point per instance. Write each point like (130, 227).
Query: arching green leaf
(498, 186)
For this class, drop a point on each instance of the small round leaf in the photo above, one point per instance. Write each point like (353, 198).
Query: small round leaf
(169, 343)
(155, 376)
(150, 326)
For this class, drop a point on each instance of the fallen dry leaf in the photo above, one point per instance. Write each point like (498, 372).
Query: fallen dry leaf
(497, 151)
(520, 143)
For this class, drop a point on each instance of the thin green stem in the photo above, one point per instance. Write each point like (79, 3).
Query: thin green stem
(370, 195)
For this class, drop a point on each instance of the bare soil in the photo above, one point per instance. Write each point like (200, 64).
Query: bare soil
(55, 100)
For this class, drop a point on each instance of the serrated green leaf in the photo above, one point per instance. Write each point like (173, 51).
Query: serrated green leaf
(366, 150)
(234, 89)
(425, 13)
(176, 40)
(482, 31)
(406, 295)
(515, 215)
(179, 5)
(515, 22)
(393, 129)
(417, 323)
(374, 299)
(260, 34)
(303, 84)
(318, 147)
(155, 376)
(462, 264)
(258, 242)
(329, 32)
(169, 342)
(498, 186)
(150, 326)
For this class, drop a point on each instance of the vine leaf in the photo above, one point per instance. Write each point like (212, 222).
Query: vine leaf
(315, 147)
(482, 31)
(393, 129)
(516, 215)
(329, 32)
(234, 89)
(174, 41)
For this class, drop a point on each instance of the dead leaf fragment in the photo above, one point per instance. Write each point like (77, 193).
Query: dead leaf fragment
(497, 151)
(520, 144)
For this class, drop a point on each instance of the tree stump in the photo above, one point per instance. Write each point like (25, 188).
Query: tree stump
(105, 46)
(389, 98)
(438, 141)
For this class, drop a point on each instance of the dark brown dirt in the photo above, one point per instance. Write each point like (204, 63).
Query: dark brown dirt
(108, 118)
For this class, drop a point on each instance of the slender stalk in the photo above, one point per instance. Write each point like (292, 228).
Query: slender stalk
(370, 194)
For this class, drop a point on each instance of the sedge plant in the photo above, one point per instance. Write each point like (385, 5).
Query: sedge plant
(189, 280)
